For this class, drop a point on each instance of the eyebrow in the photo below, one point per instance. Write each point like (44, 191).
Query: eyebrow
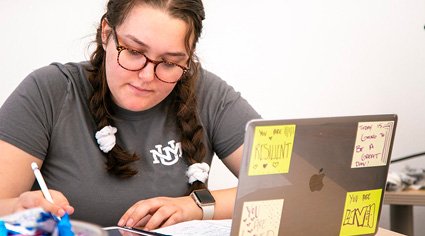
(173, 54)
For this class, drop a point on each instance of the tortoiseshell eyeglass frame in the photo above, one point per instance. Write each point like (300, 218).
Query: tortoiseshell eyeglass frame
(121, 48)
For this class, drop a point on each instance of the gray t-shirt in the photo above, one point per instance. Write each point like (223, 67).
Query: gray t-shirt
(48, 116)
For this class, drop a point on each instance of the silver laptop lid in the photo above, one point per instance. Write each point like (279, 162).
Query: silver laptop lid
(316, 176)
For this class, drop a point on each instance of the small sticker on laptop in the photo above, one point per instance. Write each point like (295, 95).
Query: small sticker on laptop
(372, 145)
(271, 149)
(261, 217)
(361, 212)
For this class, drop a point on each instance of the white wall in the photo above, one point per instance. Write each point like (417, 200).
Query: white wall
(289, 58)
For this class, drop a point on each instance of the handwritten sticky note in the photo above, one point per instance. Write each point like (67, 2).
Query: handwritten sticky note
(361, 212)
(372, 144)
(271, 149)
(261, 217)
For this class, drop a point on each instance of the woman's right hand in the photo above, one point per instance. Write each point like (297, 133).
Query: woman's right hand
(17, 178)
(31, 199)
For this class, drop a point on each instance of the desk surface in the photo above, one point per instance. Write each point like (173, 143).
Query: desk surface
(409, 197)
(401, 209)
(386, 232)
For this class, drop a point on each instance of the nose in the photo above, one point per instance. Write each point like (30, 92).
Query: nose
(148, 72)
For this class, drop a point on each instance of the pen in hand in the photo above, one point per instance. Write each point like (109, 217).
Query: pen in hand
(41, 183)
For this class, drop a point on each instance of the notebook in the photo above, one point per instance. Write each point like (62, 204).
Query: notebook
(316, 176)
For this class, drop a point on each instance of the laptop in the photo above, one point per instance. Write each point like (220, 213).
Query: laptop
(316, 176)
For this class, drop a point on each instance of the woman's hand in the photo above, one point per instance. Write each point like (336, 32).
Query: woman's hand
(31, 199)
(160, 212)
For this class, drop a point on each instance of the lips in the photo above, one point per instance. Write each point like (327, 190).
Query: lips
(139, 89)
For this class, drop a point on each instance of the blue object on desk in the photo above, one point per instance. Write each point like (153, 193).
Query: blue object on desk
(35, 221)
(64, 226)
(3, 230)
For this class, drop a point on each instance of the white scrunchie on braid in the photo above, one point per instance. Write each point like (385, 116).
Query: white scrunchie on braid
(106, 138)
(198, 172)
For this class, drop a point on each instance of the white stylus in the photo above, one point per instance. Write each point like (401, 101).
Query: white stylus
(41, 182)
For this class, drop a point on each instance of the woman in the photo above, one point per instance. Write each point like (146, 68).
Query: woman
(119, 137)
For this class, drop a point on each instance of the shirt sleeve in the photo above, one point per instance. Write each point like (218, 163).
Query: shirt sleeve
(28, 115)
(224, 113)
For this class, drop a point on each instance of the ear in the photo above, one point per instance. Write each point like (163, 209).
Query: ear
(106, 30)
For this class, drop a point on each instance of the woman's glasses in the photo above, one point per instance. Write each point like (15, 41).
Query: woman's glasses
(167, 72)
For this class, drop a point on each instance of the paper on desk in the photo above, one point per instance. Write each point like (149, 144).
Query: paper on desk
(198, 227)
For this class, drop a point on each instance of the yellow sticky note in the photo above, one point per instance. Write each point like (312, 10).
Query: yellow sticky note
(261, 217)
(372, 145)
(271, 149)
(361, 212)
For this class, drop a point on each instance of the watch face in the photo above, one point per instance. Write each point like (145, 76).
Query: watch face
(204, 196)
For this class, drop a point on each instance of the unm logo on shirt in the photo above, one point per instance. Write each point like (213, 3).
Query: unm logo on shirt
(168, 155)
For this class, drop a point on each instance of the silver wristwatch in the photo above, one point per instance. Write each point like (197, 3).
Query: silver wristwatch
(205, 201)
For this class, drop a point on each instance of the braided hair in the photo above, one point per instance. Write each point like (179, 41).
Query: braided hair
(119, 162)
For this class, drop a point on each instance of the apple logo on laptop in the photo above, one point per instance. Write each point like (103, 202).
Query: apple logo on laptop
(316, 181)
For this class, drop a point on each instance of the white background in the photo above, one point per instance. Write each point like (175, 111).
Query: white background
(288, 58)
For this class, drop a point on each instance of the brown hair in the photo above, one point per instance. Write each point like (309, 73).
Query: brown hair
(119, 162)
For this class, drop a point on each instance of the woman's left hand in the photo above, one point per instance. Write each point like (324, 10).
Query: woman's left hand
(160, 212)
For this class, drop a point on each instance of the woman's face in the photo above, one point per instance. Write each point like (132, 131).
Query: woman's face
(158, 36)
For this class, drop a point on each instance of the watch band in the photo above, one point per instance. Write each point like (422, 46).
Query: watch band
(207, 212)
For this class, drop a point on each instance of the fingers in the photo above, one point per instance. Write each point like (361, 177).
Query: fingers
(33, 199)
(68, 209)
(160, 212)
(171, 218)
(141, 223)
(60, 200)
(169, 215)
(136, 214)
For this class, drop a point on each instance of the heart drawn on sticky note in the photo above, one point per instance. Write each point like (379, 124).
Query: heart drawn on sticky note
(255, 166)
(276, 163)
(264, 165)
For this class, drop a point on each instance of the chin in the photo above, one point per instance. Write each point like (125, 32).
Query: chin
(135, 103)
(137, 106)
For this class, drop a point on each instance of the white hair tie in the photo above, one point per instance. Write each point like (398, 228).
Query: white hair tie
(106, 138)
(198, 172)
